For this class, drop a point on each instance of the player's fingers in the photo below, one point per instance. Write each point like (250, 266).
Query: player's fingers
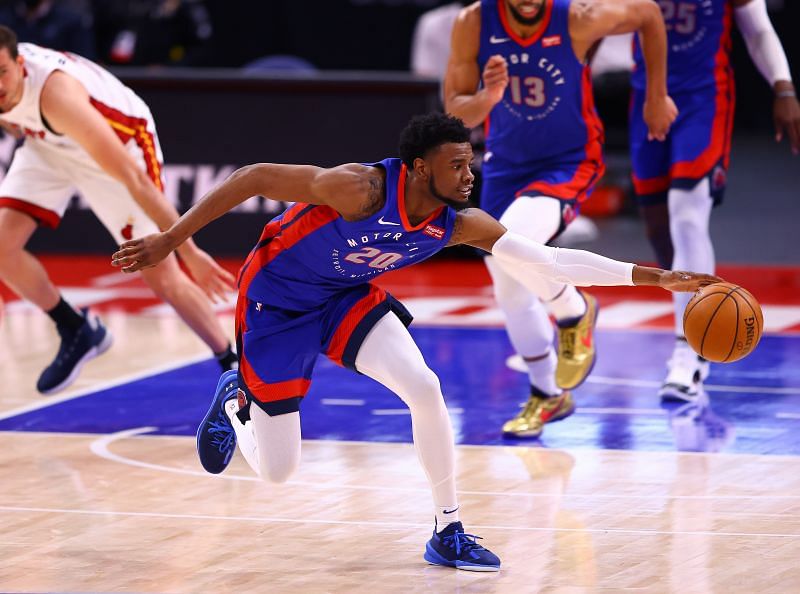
(794, 135)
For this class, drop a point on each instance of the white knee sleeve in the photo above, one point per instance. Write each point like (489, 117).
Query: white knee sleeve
(270, 445)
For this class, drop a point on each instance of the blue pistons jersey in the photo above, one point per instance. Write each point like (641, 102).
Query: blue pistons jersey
(698, 45)
(309, 253)
(548, 109)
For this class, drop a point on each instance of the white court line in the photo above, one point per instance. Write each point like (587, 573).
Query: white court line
(514, 362)
(342, 401)
(405, 411)
(100, 447)
(389, 525)
(46, 401)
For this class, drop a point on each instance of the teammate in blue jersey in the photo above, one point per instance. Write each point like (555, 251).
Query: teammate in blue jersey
(304, 290)
(677, 182)
(520, 67)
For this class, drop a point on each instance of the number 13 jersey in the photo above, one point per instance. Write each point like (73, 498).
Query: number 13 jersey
(547, 110)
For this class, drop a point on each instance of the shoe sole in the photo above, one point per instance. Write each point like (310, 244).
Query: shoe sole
(594, 359)
(434, 558)
(92, 353)
(211, 412)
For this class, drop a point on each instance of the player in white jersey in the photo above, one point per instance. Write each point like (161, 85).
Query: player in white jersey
(84, 130)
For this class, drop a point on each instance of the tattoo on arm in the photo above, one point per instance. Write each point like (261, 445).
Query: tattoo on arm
(457, 237)
(375, 195)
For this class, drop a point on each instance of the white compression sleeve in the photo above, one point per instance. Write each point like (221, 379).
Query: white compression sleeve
(575, 267)
(763, 44)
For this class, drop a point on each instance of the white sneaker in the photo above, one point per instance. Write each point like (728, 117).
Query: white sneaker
(687, 370)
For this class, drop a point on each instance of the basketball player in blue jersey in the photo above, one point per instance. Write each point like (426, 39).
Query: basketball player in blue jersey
(305, 288)
(677, 182)
(520, 68)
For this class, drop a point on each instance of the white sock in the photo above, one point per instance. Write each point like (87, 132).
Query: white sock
(245, 439)
(445, 516)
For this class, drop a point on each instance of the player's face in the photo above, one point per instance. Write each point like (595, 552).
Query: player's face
(11, 83)
(450, 178)
(526, 12)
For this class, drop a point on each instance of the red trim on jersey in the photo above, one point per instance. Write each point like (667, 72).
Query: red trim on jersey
(127, 127)
(271, 392)
(261, 390)
(282, 240)
(592, 167)
(351, 319)
(719, 145)
(401, 203)
(651, 185)
(525, 42)
(43, 216)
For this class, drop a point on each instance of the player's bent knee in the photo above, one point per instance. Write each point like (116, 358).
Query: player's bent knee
(272, 472)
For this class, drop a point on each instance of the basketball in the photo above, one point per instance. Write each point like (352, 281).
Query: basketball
(723, 322)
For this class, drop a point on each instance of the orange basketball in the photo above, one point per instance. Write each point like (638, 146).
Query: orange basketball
(723, 322)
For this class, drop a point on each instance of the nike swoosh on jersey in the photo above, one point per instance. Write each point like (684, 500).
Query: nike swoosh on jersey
(494, 39)
(382, 222)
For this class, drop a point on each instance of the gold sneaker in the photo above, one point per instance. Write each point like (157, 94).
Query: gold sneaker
(538, 411)
(576, 352)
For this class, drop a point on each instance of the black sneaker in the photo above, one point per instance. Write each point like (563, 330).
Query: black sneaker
(453, 548)
(89, 341)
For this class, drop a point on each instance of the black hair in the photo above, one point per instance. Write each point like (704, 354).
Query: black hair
(8, 40)
(426, 132)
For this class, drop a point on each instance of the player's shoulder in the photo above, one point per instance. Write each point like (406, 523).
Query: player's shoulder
(470, 15)
(354, 189)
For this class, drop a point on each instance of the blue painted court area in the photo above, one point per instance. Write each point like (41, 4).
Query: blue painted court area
(754, 404)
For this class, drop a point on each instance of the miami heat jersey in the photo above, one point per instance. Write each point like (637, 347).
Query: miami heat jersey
(309, 253)
(127, 114)
(547, 109)
(698, 45)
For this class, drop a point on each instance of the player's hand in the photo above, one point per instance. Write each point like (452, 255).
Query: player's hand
(659, 115)
(679, 280)
(495, 78)
(212, 278)
(142, 253)
(786, 114)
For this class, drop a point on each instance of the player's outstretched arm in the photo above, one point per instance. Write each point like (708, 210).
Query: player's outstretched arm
(767, 53)
(576, 267)
(591, 20)
(341, 188)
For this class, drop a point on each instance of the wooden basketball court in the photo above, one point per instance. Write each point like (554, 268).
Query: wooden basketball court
(131, 510)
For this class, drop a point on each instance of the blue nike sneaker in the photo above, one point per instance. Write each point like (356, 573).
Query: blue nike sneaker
(89, 341)
(453, 548)
(216, 440)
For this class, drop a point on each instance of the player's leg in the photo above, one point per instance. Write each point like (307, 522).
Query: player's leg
(531, 334)
(540, 218)
(389, 355)
(124, 219)
(257, 407)
(33, 192)
(700, 148)
(193, 306)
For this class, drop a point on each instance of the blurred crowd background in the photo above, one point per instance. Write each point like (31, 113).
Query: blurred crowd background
(372, 60)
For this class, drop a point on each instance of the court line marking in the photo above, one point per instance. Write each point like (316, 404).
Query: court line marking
(100, 447)
(52, 400)
(514, 363)
(390, 525)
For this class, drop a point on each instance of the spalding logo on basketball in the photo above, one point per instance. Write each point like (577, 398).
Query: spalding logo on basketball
(723, 322)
